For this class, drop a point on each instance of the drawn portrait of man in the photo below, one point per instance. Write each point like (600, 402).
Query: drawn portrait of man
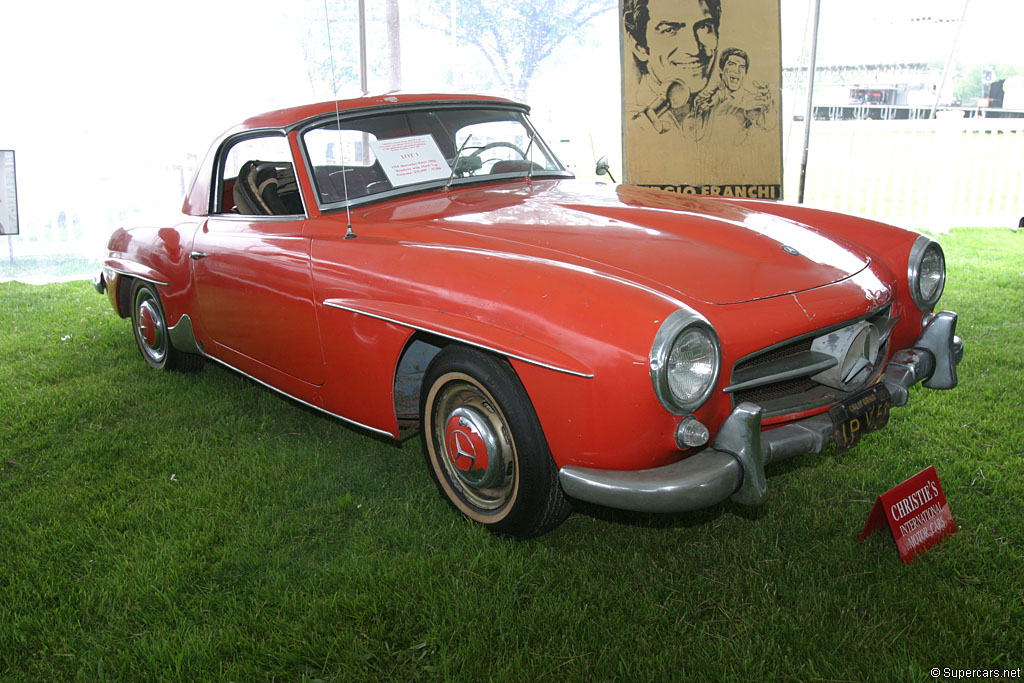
(701, 83)
(673, 44)
(728, 109)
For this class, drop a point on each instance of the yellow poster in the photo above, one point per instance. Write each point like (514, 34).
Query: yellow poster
(701, 92)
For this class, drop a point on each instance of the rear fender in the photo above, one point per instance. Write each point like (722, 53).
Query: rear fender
(155, 255)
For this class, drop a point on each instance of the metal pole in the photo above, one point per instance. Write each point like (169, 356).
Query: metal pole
(809, 112)
(363, 81)
(456, 81)
(949, 62)
(394, 23)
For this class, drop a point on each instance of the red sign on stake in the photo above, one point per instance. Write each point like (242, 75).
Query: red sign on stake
(917, 513)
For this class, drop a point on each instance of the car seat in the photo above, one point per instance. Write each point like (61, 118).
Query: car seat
(266, 188)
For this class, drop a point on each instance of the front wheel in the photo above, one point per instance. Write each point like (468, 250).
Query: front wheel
(485, 447)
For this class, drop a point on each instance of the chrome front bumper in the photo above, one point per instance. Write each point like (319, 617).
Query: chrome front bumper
(733, 466)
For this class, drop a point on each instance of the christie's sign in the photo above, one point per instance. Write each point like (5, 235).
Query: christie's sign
(917, 514)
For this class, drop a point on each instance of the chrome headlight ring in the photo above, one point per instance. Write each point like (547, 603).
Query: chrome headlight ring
(926, 272)
(685, 361)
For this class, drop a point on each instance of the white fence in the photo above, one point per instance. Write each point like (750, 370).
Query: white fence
(923, 174)
(931, 174)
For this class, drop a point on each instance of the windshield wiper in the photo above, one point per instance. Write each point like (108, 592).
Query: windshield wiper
(455, 163)
(529, 162)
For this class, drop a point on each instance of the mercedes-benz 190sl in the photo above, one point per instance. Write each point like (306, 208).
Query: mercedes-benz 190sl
(424, 262)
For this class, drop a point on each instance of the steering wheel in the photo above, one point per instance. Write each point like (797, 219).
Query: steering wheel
(492, 145)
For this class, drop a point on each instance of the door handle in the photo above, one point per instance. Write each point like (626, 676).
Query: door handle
(196, 255)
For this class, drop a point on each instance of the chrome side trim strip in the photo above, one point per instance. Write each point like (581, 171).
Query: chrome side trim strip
(382, 432)
(121, 271)
(460, 340)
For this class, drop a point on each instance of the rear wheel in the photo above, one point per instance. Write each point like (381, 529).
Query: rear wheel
(484, 445)
(151, 333)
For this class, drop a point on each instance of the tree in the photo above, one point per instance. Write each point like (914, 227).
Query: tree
(970, 80)
(341, 47)
(515, 36)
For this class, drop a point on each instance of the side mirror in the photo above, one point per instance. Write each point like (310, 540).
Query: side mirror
(603, 168)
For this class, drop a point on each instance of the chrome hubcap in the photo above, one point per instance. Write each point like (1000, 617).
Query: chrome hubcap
(477, 449)
(150, 328)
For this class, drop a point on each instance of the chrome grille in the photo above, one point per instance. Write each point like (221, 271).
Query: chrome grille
(794, 394)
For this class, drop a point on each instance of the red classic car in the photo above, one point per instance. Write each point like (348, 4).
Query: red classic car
(425, 262)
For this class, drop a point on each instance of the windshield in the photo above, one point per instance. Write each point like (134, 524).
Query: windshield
(394, 152)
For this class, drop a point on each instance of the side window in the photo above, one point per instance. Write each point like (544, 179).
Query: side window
(258, 178)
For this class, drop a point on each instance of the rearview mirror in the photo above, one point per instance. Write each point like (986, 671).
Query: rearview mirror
(603, 168)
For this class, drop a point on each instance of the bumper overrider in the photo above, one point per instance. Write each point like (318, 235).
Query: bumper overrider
(733, 466)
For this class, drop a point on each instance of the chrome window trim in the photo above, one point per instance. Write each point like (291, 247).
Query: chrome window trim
(215, 207)
(356, 112)
(917, 253)
(246, 218)
(670, 330)
(461, 340)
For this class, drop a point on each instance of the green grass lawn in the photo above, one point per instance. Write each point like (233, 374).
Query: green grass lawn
(185, 527)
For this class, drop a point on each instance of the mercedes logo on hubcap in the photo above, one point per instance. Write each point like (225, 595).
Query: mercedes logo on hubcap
(466, 449)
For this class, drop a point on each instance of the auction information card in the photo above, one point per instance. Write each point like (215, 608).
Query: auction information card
(411, 160)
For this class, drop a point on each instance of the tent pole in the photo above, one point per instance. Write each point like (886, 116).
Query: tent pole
(363, 80)
(949, 62)
(809, 112)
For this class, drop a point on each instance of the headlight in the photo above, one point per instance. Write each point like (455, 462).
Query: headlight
(685, 359)
(926, 272)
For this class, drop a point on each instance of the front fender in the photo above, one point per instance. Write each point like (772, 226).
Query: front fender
(886, 244)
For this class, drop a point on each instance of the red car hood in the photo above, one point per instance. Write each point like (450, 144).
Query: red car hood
(701, 248)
